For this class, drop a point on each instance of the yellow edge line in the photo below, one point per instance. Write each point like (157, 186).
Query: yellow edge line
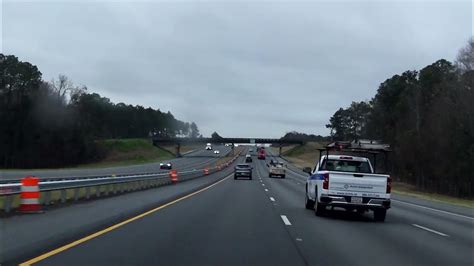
(113, 227)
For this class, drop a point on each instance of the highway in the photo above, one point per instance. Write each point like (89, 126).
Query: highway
(217, 220)
(196, 158)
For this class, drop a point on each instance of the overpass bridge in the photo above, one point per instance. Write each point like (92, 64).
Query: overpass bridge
(158, 140)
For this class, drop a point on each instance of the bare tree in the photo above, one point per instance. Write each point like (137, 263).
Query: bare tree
(65, 89)
(465, 58)
(62, 86)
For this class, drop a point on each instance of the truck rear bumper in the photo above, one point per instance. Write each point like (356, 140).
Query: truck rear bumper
(244, 174)
(345, 202)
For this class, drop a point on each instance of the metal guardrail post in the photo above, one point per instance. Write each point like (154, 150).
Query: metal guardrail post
(88, 192)
(76, 194)
(47, 198)
(63, 196)
(8, 203)
(97, 191)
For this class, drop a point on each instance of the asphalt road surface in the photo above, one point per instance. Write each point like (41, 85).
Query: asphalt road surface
(263, 222)
(189, 161)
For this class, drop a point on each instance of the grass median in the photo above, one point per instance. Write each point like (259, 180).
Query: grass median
(410, 190)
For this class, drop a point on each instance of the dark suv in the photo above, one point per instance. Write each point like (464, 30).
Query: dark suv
(248, 158)
(243, 170)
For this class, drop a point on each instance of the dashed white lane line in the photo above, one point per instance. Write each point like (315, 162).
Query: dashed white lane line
(263, 184)
(429, 230)
(272, 199)
(285, 220)
(436, 210)
(266, 190)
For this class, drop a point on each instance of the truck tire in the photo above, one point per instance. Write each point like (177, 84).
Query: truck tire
(235, 177)
(319, 209)
(309, 204)
(379, 215)
(270, 175)
(283, 176)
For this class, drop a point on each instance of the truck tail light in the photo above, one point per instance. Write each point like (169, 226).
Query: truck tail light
(326, 181)
(389, 185)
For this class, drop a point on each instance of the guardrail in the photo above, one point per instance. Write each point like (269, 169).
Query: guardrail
(12, 181)
(61, 191)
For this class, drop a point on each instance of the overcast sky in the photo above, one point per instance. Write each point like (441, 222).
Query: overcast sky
(242, 69)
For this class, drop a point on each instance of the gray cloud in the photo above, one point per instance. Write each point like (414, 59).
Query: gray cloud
(240, 68)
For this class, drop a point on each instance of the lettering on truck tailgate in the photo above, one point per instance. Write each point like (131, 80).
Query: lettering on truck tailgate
(366, 189)
(358, 194)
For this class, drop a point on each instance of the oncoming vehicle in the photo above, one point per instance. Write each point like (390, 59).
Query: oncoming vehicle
(208, 146)
(347, 182)
(166, 165)
(216, 152)
(243, 170)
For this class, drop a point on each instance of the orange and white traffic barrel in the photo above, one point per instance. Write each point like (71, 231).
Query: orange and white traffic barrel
(29, 196)
(174, 176)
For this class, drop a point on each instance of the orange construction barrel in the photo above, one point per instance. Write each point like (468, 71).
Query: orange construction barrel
(29, 196)
(174, 176)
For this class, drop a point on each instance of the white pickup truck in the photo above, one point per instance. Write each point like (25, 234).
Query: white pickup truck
(347, 182)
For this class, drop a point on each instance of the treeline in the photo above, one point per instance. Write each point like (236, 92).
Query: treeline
(53, 124)
(304, 137)
(428, 118)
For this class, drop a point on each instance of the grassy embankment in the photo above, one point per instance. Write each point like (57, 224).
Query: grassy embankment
(307, 155)
(123, 152)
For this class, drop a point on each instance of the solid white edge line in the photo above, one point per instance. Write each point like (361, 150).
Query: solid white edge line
(429, 230)
(272, 199)
(436, 210)
(285, 220)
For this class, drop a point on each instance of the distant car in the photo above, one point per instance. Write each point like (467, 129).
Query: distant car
(248, 158)
(243, 170)
(166, 166)
(272, 162)
(208, 146)
(216, 152)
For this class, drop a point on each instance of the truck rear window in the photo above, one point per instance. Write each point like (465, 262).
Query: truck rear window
(345, 166)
